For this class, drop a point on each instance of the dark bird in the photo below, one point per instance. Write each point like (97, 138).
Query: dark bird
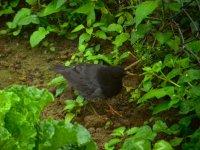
(93, 81)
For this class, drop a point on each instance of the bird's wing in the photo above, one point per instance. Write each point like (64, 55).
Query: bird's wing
(83, 78)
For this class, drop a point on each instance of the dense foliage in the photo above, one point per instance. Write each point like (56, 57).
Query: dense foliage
(22, 128)
(164, 36)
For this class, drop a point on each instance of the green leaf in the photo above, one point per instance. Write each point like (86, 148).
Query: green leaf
(184, 63)
(89, 30)
(145, 132)
(147, 84)
(7, 99)
(161, 107)
(118, 132)
(133, 143)
(157, 67)
(173, 73)
(53, 7)
(31, 2)
(83, 135)
(190, 75)
(69, 117)
(174, 44)
(38, 36)
(110, 144)
(140, 32)
(162, 145)
(78, 28)
(19, 17)
(115, 27)
(170, 60)
(100, 34)
(159, 126)
(176, 141)
(70, 105)
(85, 9)
(120, 39)
(173, 6)
(193, 46)
(144, 9)
(132, 131)
(91, 17)
(163, 38)
(158, 93)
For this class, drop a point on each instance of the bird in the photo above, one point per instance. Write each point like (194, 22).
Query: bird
(93, 81)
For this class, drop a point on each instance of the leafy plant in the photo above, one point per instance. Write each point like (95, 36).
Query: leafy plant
(143, 137)
(21, 127)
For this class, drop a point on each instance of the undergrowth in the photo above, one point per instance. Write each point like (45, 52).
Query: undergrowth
(162, 34)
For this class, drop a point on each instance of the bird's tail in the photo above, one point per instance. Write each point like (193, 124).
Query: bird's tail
(60, 68)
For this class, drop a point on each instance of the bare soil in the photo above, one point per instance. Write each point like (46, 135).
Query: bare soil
(20, 64)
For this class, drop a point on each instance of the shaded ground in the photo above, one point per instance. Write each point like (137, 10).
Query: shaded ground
(19, 64)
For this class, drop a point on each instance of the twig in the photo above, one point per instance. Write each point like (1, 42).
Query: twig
(131, 65)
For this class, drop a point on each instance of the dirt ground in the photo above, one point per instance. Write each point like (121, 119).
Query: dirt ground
(20, 64)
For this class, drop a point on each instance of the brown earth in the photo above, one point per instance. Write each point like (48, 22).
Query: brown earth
(20, 64)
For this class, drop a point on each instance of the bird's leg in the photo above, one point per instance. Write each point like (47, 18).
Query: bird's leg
(111, 109)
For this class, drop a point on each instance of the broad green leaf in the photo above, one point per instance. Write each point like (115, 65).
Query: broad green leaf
(110, 144)
(140, 32)
(161, 107)
(145, 132)
(38, 36)
(83, 135)
(85, 9)
(132, 131)
(133, 143)
(158, 93)
(176, 141)
(21, 14)
(100, 34)
(193, 143)
(124, 55)
(98, 24)
(91, 17)
(105, 58)
(143, 10)
(78, 28)
(193, 46)
(7, 99)
(14, 3)
(119, 131)
(190, 75)
(157, 67)
(120, 39)
(115, 27)
(70, 105)
(174, 44)
(159, 126)
(184, 63)
(57, 81)
(173, 6)
(53, 7)
(29, 19)
(162, 145)
(32, 2)
(89, 30)
(163, 38)
(173, 73)
(147, 83)
(170, 60)
(120, 20)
